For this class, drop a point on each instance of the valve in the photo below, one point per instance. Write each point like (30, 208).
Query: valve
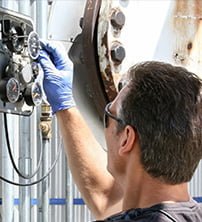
(46, 120)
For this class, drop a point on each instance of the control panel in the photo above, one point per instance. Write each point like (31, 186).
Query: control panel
(20, 89)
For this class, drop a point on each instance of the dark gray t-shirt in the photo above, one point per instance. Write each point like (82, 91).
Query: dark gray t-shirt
(190, 211)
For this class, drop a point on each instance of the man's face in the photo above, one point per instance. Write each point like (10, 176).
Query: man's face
(116, 165)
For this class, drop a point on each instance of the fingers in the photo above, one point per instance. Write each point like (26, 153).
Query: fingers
(58, 54)
(46, 63)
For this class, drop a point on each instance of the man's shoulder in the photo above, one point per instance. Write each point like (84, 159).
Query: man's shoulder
(152, 217)
(143, 215)
(184, 211)
(180, 211)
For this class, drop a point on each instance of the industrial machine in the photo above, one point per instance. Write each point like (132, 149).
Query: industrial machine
(20, 46)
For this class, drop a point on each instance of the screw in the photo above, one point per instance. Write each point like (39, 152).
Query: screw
(118, 19)
(117, 53)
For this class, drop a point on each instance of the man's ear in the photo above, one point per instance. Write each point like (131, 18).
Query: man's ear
(127, 139)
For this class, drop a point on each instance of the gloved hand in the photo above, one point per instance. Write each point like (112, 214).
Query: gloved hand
(58, 76)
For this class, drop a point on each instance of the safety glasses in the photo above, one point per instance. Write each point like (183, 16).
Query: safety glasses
(108, 114)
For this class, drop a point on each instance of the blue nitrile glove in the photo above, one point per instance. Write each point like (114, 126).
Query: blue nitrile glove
(58, 76)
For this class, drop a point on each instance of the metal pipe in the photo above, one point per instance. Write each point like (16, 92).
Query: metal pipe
(37, 141)
(24, 7)
(45, 126)
(25, 167)
(41, 28)
(42, 18)
(69, 196)
(45, 184)
(35, 132)
(7, 171)
(25, 161)
(54, 176)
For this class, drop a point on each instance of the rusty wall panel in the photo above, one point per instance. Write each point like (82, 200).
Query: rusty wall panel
(187, 29)
(174, 36)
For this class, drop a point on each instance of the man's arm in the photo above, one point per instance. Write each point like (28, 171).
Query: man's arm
(87, 161)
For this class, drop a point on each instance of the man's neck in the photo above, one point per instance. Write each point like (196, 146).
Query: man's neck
(146, 191)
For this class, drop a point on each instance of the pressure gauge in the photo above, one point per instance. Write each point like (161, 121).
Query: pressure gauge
(10, 90)
(33, 44)
(17, 39)
(26, 74)
(33, 94)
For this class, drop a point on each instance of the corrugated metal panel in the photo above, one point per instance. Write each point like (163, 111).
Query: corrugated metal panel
(195, 185)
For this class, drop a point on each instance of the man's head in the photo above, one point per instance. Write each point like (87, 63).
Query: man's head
(163, 104)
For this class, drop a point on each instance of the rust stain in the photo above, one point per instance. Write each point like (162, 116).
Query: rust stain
(189, 46)
(187, 34)
(187, 17)
(198, 9)
(109, 84)
(105, 43)
(189, 9)
(106, 74)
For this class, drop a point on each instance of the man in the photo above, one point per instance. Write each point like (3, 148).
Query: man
(153, 135)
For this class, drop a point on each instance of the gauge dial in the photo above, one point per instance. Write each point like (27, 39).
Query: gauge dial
(26, 74)
(17, 39)
(33, 94)
(33, 45)
(36, 93)
(12, 90)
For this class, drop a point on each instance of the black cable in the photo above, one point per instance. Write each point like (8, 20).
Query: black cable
(11, 155)
(37, 181)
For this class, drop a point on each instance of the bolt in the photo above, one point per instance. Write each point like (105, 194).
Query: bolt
(189, 46)
(118, 19)
(117, 53)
